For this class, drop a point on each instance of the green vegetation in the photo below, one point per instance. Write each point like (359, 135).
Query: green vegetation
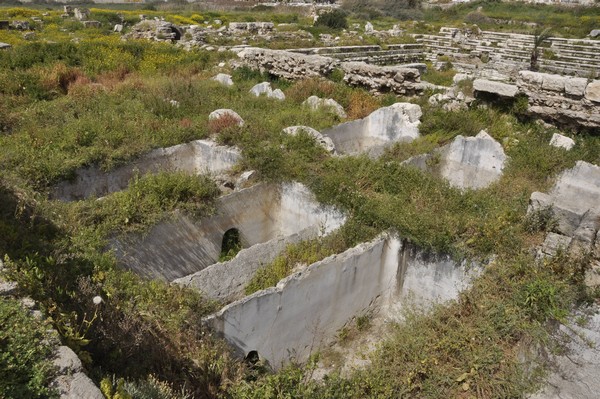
(25, 368)
(563, 21)
(441, 77)
(335, 19)
(99, 101)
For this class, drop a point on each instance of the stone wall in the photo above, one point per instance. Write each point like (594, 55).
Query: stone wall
(564, 99)
(371, 54)
(183, 246)
(306, 310)
(197, 157)
(289, 65)
(560, 99)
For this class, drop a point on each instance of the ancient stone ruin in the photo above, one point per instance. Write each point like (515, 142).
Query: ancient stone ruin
(560, 99)
(266, 217)
(289, 65)
(305, 310)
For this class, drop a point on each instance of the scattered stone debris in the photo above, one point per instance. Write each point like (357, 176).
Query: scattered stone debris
(560, 141)
(245, 178)
(20, 25)
(315, 103)
(219, 113)
(265, 88)
(118, 28)
(4, 46)
(224, 79)
(467, 162)
(451, 100)
(81, 14)
(323, 141)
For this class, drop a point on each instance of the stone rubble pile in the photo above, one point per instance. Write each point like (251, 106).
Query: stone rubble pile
(155, 30)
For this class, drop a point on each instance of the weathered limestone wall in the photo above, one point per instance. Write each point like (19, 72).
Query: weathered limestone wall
(306, 309)
(182, 246)
(289, 65)
(196, 157)
(561, 99)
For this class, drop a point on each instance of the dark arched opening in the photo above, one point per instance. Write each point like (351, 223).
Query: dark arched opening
(176, 33)
(252, 358)
(231, 244)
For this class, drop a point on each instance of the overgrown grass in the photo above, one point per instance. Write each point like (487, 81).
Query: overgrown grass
(65, 105)
(25, 357)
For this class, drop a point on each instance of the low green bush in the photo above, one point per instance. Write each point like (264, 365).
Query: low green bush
(335, 19)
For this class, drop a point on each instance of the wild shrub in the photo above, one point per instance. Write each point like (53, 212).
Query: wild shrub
(225, 127)
(302, 89)
(335, 19)
(361, 104)
(30, 54)
(59, 78)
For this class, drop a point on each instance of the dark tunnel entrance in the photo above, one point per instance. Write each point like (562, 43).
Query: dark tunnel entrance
(231, 245)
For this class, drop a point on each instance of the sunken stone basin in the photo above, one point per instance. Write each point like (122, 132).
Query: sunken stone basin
(265, 218)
